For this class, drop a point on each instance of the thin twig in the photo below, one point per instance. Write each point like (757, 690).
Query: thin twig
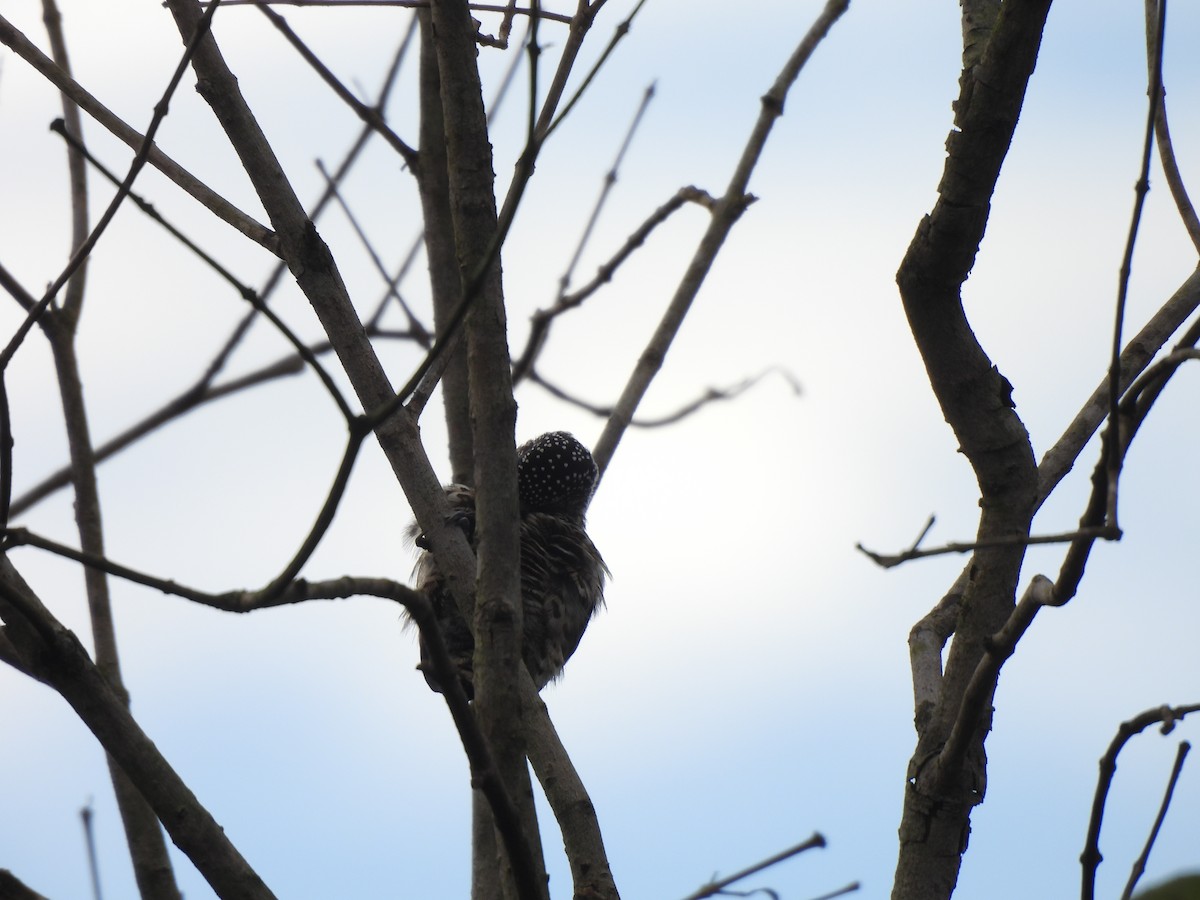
(1139, 353)
(90, 838)
(58, 126)
(407, 4)
(1139, 866)
(414, 324)
(270, 595)
(542, 320)
(728, 210)
(889, 561)
(202, 391)
(841, 892)
(370, 115)
(76, 166)
(139, 161)
(711, 395)
(619, 34)
(1090, 858)
(610, 179)
(1141, 189)
(70, 671)
(718, 887)
(186, 402)
(213, 201)
(1162, 133)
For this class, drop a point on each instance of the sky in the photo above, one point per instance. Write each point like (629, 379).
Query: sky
(748, 682)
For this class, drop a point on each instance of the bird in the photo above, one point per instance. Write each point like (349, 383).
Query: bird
(562, 572)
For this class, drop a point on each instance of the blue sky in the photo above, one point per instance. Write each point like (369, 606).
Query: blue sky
(748, 682)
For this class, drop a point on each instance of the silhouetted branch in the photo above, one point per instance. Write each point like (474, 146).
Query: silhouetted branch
(184, 403)
(926, 644)
(890, 560)
(202, 391)
(71, 672)
(1168, 716)
(281, 588)
(81, 252)
(420, 333)
(582, 21)
(12, 888)
(1141, 188)
(58, 126)
(840, 892)
(371, 115)
(213, 201)
(85, 814)
(1166, 150)
(408, 4)
(568, 798)
(1139, 353)
(543, 318)
(712, 395)
(610, 179)
(726, 212)
(76, 166)
(1139, 865)
(713, 888)
(980, 688)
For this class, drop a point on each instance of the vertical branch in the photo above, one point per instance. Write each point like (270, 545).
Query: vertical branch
(976, 401)
(445, 277)
(76, 164)
(497, 618)
(147, 848)
(1141, 188)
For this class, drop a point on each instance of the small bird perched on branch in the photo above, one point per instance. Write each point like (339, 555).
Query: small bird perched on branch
(562, 574)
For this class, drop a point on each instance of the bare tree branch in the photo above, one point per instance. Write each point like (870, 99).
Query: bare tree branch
(1162, 133)
(1168, 716)
(12, 888)
(712, 395)
(71, 672)
(371, 115)
(1139, 352)
(80, 252)
(507, 9)
(713, 888)
(890, 560)
(420, 333)
(610, 179)
(1141, 188)
(147, 848)
(213, 201)
(496, 616)
(1139, 865)
(944, 784)
(727, 211)
(591, 875)
(85, 814)
(203, 390)
(579, 24)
